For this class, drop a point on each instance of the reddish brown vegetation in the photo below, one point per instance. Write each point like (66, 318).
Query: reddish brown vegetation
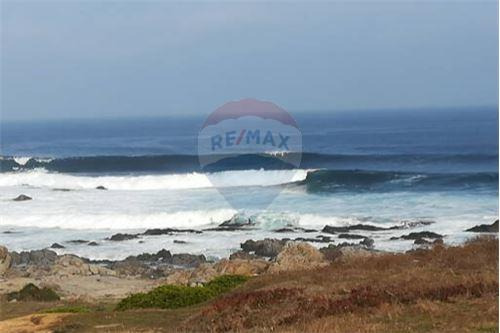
(437, 275)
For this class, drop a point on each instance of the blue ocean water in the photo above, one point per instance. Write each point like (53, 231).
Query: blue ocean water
(381, 167)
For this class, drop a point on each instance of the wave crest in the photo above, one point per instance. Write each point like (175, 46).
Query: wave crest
(43, 178)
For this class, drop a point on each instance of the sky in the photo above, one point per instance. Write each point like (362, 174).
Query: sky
(92, 59)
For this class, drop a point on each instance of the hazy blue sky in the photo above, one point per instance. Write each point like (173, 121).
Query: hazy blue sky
(91, 58)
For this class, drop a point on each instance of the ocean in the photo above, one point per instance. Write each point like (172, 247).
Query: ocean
(380, 167)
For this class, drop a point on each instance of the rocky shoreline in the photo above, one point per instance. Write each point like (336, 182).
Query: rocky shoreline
(78, 277)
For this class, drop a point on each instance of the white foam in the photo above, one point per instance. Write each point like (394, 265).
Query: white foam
(21, 160)
(85, 221)
(42, 178)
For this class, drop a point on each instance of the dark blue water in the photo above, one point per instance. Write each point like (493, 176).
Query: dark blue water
(375, 166)
(463, 131)
(396, 144)
(421, 140)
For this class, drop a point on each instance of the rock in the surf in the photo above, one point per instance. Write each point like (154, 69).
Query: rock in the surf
(78, 241)
(367, 242)
(168, 231)
(22, 197)
(418, 235)
(121, 237)
(351, 236)
(236, 222)
(366, 227)
(485, 227)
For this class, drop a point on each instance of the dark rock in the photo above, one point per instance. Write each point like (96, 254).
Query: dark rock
(188, 260)
(265, 248)
(351, 236)
(306, 230)
(242, 255)
(413, 224)
(421, 234)
(227, 228)
(284, 230)
(162, 255)
(421, 241)
(152, 266)
(43, 257)
(366, 227)
(22, 197)
(61, 189)
(130, 267)
(176, 241)
(56, 246)
(168, 231)
(368, 243)
(100, 188)
(78, 241)
(319, 239)
(332, 251)
(93, 244)
(8, 232)
(121, 237)
(294, 229)
(485, 227)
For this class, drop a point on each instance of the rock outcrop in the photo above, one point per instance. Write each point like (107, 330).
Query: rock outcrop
(121, 237)
(419, 235)
(208, 271)
(360, 227)
(265, 248)
(5, 260)
(241, 266)
(68, 265)
(485, 227)
(297, 256)
(41, 258)
(22, 197)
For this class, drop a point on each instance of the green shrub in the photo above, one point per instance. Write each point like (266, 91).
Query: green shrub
(172, 296)
(225, 283)
(30, 292)
(68, 309)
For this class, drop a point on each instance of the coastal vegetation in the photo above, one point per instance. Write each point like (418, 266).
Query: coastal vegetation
(428, 289)
(173, 296)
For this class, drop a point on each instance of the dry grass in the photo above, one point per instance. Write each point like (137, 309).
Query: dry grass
(419, 283)
(445, 289)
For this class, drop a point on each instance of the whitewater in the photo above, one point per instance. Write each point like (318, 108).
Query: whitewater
(382, 168)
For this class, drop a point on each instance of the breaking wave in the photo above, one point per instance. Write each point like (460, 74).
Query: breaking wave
(44, 178)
